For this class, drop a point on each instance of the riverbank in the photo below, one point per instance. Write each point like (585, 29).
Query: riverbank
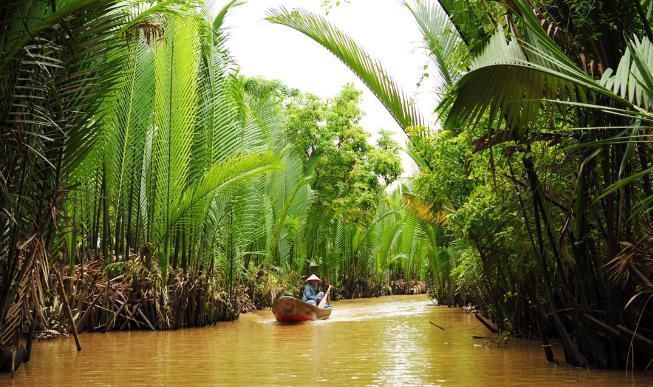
(385, 340)
(130, 296)
(133, 295)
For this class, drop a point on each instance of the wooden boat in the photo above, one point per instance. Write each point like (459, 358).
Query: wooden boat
(290, 309)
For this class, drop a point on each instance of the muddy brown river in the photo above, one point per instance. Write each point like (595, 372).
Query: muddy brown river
(379, 341)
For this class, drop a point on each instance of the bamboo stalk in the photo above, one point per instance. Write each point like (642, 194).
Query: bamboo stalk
(88, 311)
(111, 323)
(69, 313)
(147, 321)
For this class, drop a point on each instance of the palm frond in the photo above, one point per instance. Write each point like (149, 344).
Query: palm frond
(471, 21)
(175, 108)
(515, 80)
(633, 78)
(130, 122)
(34, 17)
(369, 70)
(290, 197)
(441, 37)
(426, 212)
(221, 177)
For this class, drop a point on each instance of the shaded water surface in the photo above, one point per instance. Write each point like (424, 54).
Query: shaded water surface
(381, 341)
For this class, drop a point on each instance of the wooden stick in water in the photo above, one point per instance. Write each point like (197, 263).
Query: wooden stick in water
(436, 325)
(486, 324)
(68, 312)
(324, 299)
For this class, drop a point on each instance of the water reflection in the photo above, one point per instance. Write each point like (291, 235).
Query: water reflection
(375, 341)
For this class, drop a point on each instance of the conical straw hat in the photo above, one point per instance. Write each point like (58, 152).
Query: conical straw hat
(313, 277)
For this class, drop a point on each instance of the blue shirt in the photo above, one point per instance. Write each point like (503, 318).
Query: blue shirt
(310, 292)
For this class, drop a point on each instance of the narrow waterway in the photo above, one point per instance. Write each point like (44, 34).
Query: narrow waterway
(380, 341)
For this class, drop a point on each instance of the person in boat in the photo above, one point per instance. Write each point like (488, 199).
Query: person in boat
(311, 295)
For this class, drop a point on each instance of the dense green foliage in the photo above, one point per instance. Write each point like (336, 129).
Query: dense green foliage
(130, 140)
(539, 180)
(134, 149)
(347, 179)
(349, 174)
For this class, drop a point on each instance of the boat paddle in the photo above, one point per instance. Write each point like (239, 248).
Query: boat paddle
(324, 299)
